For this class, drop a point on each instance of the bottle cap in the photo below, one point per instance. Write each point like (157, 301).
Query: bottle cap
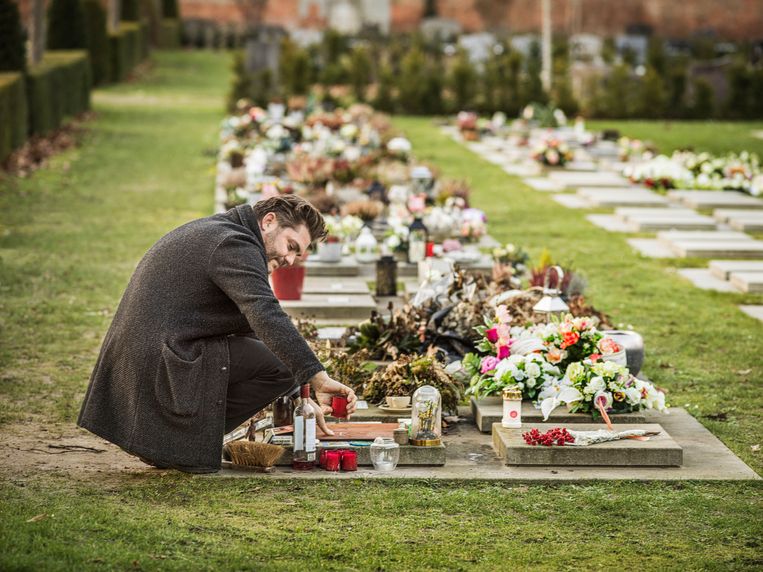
(512, 392)
(305, 391)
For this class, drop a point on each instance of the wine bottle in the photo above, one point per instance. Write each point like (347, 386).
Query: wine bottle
(304, 432)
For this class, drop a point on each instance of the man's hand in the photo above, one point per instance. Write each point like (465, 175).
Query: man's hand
(325, 388)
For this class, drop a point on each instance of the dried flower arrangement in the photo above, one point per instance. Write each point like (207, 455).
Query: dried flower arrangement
(387, 337)
(364, 209)
(351, 369)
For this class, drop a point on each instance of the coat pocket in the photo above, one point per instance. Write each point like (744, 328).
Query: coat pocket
(179, 383)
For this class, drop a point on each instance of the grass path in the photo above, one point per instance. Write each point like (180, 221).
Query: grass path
(69, 239)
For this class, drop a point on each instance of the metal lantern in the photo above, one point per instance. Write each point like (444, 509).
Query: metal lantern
(426, 417)
(423, 180)
(552, 304)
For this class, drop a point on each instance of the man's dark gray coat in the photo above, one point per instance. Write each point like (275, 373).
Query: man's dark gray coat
(158, 388)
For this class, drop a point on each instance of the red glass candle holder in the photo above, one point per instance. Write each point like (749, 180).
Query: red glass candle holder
(339, 406)
(349, 460)
(322, 459)
(332, 460)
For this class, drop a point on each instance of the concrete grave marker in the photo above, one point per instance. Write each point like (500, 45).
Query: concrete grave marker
(665, 218)
(621, 197)
(595, 179)
(717, 249)
(751, 282)
(723, 268)
(715, 199)
(329, 307)
(741, 219)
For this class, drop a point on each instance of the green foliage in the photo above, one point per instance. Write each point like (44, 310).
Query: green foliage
(651, 96)
(294, 68)
(13, 130)
(412, 91)
(508, 69)
(360, 72)
(531, 86)
(704, 100)
(170, 9)
(130, 10)
(127, 49)
(240, 83)
(561, 90)
(655, 55)
(463, 82)
(675, 92)
(169, 35)
(617, 93)
(66, 25)
(98, 45)
(384, 100)
(740, 96)
(58, 87)
(12, 48)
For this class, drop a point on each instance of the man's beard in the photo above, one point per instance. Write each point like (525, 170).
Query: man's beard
(274, 261)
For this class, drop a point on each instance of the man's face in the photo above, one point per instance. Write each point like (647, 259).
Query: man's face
(283, 246)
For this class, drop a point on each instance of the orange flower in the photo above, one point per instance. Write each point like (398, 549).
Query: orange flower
(569, 339)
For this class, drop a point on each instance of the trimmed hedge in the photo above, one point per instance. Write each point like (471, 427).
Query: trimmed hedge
(13, 111)
(169, 34)
(127, 47)
(58, 86)
(97, 41)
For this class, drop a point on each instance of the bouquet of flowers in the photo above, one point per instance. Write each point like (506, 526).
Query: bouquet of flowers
(591, 381)
(490, 375)
(473, 224)
(553, 153)
(511, 255)
(660, 173)
(396, 235)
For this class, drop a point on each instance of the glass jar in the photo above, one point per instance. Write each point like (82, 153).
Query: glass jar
(426, 417)
(385, 454)
(512, 407)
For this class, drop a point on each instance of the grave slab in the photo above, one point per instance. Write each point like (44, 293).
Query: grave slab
(753, 311)
(581, 166)
(665, 219)
(741, 219)
(348, 266)
(489, 410)
(622, 197)
(470, 456)
(543, 184)
(611, 223)
(340, 307)
(520, 170)
(571, 201)
(409, 455)
(328, 285)
(723, 268)
(573, 179)
(659, 451)
(730, 249)
(651, 247)
(750, 282)
(715, 199)
(706, 280)
(702, 236)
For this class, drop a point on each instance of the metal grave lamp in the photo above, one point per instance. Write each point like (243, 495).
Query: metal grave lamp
(552, 304)
(423, 180)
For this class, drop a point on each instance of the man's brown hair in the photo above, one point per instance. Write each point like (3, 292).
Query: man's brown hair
(292, 211)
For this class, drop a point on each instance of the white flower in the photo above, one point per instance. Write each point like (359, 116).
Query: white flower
(532, 370)
(399, 145)
(596, 384)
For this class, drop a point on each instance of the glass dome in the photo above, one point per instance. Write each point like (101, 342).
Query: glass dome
(426, 417)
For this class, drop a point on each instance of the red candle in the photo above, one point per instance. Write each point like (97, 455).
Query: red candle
(339, 406)
(429, 251)
(332, 460)
(349, 460)
(322, 459)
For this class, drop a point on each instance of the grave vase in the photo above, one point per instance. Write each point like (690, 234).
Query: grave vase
(287, 282)
(330, 251)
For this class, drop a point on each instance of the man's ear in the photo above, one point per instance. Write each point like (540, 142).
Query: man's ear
(267, 220)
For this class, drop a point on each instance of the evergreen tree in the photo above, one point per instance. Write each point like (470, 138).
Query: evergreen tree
(12, 46)
(532, 87)
(241, 84)
(615, 98)
(508, 92)
(66, 25)
(756, 93)
(97, 41)
(655, 55)
(703, 106)
(384, 100)
(433, 101)
(411, 90)
(676, 91)
(170, 9)
(463, 82)
(294, 68)
(360, 72)
(130, 10)
(738, 102)
(651, 95)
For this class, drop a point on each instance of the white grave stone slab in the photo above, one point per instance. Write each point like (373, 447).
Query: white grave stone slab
(703, 235)
(581, 166)
(718, 249)
(741, 219)
(753, 311)
(611, 223)
(665, 219)
(706, 280)
(334, 286)
(715, 199)
(520, 169)
(348, 266)
(617, 197)
(751, 282)
(543, 184)
(723, 268)
(596, 179)
(331, 306)
(651, 247)
(571, 201)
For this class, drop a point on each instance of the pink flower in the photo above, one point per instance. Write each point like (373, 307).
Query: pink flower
(594, 358)
(491, 335)
(502, 313)
(489, 363)
(504, 352)
(609, 346)
(504, 333)
(555, 355)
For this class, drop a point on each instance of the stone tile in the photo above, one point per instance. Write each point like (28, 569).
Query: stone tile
(723, 268)
(622, 197)
(706, 280)
(521, 170)
(753, 311)
(715, 199)
(611, 223)
(581, 166)
(651, 247)
(665, 218)
(718, 249)
(741, 219)
(703, 235)
(329, 285)
(659, 451)
(409, 455)
(543, 184)
(348, 266)
(596, 179)
(571, 201)
(339, 307)
(751, 282)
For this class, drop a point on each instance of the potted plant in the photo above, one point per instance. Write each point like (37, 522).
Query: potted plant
(287, 282)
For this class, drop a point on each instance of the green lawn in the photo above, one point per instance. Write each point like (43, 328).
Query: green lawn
(69, 239)
(714, 136)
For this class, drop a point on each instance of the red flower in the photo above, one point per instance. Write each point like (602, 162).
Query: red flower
(492, 335)
(594, 357)
(503, 352)
(569, 339)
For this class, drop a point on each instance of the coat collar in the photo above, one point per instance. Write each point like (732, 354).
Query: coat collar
(249, 220)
